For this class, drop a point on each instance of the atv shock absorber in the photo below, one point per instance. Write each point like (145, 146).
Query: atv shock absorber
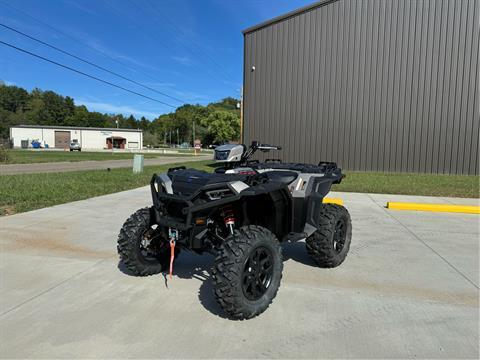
(228, 217)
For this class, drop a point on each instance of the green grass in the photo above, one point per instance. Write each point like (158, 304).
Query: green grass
(411, 184)
(42, 156)
(19, 193)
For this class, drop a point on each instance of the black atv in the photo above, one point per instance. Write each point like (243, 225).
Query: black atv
(240, 213)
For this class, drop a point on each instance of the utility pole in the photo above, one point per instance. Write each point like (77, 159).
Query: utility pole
(178, 139)
(193, 137)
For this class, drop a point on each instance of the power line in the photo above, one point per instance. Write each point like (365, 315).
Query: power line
(114, 59)
(68, 36)
(80, 42)
(89, 62)
(83, 73)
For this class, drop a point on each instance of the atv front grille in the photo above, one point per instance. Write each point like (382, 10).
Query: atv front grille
(174, 209)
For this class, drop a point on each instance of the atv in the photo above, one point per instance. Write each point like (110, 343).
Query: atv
(240, 213)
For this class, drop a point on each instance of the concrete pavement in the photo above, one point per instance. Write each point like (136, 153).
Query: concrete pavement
(408, 288)
(12, 169)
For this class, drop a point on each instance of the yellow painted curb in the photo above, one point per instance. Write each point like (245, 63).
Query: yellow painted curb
(333, 201)
(468, 209)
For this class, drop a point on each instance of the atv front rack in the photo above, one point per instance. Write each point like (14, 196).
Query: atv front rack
(178, 211)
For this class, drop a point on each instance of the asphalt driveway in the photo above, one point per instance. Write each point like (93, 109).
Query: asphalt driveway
(408, 288)
(12, 169)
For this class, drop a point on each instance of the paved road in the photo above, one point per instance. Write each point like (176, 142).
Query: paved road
(12, 169)
(408, 289)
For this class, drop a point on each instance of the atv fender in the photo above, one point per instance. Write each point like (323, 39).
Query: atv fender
(320, 188)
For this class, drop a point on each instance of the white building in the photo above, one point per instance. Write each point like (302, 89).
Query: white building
(89, 138)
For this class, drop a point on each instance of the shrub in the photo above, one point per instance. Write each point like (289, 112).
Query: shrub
(4, 155)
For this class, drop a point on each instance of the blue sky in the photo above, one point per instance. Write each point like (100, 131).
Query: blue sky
(189, 49)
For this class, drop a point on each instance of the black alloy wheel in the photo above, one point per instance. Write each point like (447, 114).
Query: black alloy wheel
(339, 235)
(257, 273)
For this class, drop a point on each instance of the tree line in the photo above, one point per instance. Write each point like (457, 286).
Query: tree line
(214, 123)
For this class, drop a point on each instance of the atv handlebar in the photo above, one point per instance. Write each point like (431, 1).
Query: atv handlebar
(265, 147)
(256, 146)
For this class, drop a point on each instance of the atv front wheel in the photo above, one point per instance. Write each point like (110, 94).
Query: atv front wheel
(143, 248)
(247, 272)
(330, 243)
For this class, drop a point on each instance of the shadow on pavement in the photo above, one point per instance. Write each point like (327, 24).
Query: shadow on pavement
(189, 265)
(297, 251)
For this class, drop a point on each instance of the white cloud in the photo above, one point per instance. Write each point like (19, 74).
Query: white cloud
(8, 83)
(116, 109)
(98, 46)
(191, 96)
(159, 84)
(18, 24)
(79, 6)
(184, 60)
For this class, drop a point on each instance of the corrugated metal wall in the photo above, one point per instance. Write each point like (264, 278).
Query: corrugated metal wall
(375, 85)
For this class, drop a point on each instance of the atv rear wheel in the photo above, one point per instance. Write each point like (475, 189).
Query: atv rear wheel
(143, 248)
(247, 272)
(329, 245)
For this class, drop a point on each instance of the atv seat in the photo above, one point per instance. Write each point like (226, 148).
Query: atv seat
(284, 177)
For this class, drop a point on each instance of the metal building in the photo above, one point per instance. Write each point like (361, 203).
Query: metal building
(375, 85)
(88, 137)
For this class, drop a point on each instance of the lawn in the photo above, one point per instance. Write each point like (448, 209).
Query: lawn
(42, 156)
(19, 193)
(411, 184)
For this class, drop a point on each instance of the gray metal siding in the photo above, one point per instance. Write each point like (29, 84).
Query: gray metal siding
(375, 85)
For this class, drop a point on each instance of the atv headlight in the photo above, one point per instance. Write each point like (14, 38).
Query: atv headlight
(221, 155)
(163, 184)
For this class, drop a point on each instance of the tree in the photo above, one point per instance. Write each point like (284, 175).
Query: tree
(215, 122)
(163, 125)
(152, 139)
(144, 124)
(79, 117)
(55, 108)
(222, 126)
(69, 105)
(4, 123)
(12, 98)
(35, 111)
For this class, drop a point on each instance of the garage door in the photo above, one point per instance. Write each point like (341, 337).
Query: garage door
(62, 139)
